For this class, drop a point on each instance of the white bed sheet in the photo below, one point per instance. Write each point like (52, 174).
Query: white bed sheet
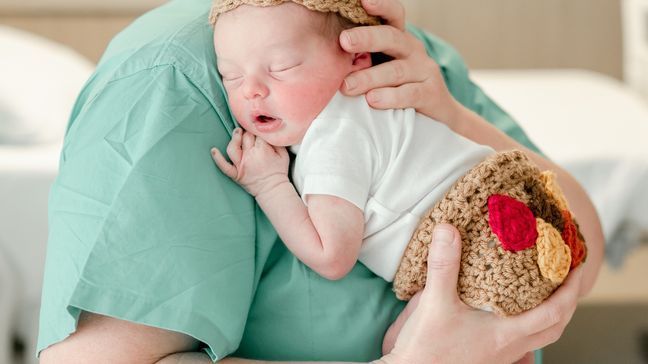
(7, 304)
(39, 82)
(594, 126)
(26, 174)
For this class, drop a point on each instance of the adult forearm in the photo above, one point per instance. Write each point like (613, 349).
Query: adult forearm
(249, 361)
(202, 358)
(191, 358)
(474, 127)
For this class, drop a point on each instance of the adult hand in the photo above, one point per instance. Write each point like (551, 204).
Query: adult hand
(410, 79)
(442, 329)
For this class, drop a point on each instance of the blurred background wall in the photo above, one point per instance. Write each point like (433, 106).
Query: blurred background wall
(488, 33)
(528, 33)
(85, 25)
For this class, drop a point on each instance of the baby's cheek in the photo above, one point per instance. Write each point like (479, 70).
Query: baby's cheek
(239, 112)
(309, 99)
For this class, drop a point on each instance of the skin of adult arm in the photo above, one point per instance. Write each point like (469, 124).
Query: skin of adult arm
(102, 339)
(326, 235)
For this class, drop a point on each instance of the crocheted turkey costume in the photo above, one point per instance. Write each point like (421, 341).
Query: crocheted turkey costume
(519, 240)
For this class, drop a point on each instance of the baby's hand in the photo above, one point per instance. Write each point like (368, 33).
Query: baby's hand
(256, 165)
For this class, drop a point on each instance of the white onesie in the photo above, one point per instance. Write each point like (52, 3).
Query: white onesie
(393, 164)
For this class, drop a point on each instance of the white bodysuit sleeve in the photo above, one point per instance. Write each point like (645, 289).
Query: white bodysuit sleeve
(337, 155)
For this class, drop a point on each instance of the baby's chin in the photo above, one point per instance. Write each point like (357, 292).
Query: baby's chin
(283, 141)
(280, 142)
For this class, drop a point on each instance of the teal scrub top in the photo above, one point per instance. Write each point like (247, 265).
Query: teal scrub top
(143, 226)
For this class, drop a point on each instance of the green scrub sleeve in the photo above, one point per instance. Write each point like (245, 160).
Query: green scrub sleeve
(142, 225)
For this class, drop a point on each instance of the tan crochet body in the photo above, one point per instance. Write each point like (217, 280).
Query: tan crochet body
(350, 9)
(490, 277)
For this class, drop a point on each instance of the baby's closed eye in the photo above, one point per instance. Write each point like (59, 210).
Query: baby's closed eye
(231, 76)
(284, 67)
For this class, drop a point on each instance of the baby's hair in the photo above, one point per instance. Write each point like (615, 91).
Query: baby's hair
(333, 24)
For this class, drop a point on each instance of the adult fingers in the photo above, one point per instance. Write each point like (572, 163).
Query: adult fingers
(556, 310)
(404, 96)
(234, 151)
(379, 38)
(528, 358)
(226, 167)
(443, 266)
(392, 11)
(393, 73)
(542, 339)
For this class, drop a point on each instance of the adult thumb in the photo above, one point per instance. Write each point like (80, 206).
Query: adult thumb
(443, 264)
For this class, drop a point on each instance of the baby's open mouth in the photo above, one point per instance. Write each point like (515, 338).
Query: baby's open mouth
(264, 118)
(265, 123)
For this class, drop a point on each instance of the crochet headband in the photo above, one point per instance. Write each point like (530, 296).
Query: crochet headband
(349, 9)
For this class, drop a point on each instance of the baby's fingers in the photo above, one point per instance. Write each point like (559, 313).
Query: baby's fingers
(282, 152)
(234, 148)
(260, 143)
(226, 167)
(248, 140)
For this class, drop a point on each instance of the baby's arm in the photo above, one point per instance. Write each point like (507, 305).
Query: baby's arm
(325, 235)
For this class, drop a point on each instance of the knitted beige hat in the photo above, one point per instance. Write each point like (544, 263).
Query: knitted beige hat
(519, 240)
(349, 9)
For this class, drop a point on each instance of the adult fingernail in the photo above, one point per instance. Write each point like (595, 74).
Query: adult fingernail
(350, 83)
(373, 97)
(443, 235)
(350, 38)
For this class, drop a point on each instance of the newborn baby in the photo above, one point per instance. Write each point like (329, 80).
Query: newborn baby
(369, 185)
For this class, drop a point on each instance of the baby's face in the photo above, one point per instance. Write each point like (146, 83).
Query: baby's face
(278, 69)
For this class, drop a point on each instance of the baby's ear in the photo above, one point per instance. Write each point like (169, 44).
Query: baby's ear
(361, 61)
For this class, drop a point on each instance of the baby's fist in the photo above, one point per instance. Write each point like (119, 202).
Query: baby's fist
(256, 165)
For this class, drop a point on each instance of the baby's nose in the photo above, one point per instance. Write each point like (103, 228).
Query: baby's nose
(254, 88)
